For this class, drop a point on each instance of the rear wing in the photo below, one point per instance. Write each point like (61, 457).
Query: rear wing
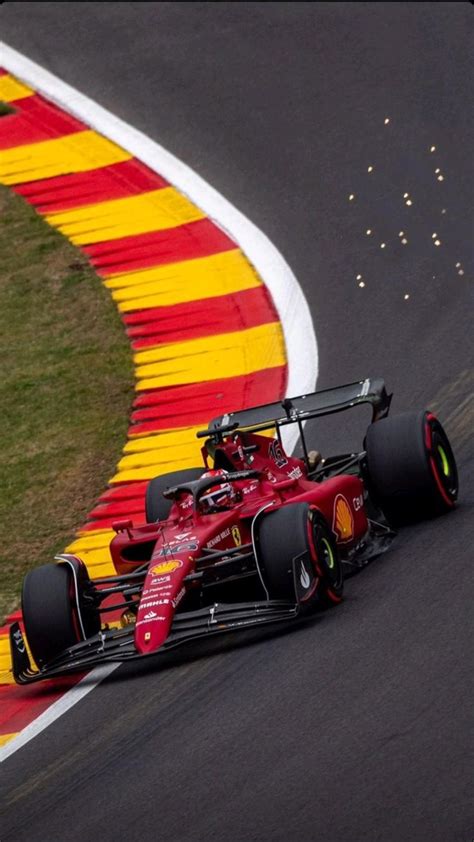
(299, 409)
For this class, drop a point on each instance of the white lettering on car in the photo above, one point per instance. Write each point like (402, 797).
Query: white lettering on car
(161, 589)
(250, 488)
(218, 538)
(178, 598)
(358, 502)
(295, 473)
(154, 602)
(150, 620)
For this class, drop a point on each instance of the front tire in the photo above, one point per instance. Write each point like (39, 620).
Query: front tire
(50, 612)
(299, 556)
(411, 467)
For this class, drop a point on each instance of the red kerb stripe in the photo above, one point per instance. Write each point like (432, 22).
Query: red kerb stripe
(198, 403)
(35, 120)
(130, 254)
(207, 317)
(116, 181)
(20, 705)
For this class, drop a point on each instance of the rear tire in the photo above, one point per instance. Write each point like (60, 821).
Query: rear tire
(49, 612)
(298, 531)
(156, 506)
(411, 467)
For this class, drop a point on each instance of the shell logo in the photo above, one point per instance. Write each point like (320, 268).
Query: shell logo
(166, 566)
(343, 520)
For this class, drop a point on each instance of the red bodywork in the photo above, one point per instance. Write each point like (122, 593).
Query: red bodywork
(173, 546)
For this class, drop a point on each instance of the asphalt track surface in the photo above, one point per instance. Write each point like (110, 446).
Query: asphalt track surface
(356, 726)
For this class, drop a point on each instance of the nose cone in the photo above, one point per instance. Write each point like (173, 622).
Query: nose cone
(162, 592)
(152, 627)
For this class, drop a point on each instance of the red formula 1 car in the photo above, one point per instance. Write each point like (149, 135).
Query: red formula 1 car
(251, 537)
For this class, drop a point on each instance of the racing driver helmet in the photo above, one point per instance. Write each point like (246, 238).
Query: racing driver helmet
(217, 497)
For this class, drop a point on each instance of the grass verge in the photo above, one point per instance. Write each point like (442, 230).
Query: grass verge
(66, 387)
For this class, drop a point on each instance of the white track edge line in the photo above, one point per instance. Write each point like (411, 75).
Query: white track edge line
(60, 706)
(290, 303)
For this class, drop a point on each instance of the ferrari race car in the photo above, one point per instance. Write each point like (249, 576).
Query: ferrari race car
(250, 538)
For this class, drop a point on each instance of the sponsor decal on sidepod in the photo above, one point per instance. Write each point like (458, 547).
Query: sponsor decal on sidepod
(179, 548)
(218, 538)
(343, 520)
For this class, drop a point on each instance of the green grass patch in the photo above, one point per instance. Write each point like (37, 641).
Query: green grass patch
(66, 388)
(5, 109)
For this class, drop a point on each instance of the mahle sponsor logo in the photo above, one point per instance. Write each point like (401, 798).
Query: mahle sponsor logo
(146, 605)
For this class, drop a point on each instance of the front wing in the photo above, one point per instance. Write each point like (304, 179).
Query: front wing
(118, 644)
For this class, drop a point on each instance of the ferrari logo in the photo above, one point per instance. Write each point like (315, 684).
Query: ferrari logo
(236, 536)
(343, 520)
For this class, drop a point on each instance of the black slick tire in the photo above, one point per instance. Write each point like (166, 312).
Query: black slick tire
(49, 614)
(411, 467)
(299, 556)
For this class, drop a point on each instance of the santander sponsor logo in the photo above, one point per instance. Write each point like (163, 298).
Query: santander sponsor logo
(151, 617)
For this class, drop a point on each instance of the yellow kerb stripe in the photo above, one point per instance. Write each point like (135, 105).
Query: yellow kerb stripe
(74, 153)
(92, 541)
(10, 89)
(155, 469)
(211, 357)
(94, 551)
(6, 675)
(5, 738)
(162, 448)
(153, 211)
(165, 439)
(190, 280)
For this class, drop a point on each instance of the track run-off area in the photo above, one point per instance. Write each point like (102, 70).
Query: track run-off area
(342, 131)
